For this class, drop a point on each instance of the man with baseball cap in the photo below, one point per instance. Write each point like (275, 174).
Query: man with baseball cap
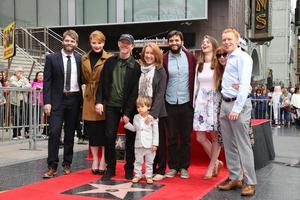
(118, 88)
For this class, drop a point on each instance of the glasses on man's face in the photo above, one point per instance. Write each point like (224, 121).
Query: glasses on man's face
(219, 55)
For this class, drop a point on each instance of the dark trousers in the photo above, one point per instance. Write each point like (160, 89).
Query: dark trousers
(160, 160)
(180, 125)
(67, 114)
(113, 116)
(20, 118)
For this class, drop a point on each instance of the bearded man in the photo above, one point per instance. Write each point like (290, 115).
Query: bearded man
(180, 66)
(62, 99)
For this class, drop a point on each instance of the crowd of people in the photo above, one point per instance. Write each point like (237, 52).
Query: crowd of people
(161, 98)
(278, 104)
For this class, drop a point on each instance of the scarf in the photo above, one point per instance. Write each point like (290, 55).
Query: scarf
(145, 82)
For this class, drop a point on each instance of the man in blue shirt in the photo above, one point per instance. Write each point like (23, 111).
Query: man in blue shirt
(235, 116)
(180, 67)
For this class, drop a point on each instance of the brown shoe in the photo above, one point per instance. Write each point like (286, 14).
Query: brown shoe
(248, 190)
(67, 170)
(50, 173)
(230, 185)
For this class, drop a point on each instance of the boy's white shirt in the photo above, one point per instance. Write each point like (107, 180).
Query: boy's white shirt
(146, 134)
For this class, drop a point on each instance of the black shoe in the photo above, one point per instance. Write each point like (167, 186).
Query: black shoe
(101, 172)
(107, 176)
(95, 171)
(128, 175)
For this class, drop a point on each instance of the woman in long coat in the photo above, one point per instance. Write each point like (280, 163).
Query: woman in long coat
(94, 123)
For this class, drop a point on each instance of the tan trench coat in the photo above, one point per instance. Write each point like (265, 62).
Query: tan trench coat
(91, 80)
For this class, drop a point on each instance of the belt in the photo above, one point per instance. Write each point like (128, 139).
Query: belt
(226, 99)
(71, 93)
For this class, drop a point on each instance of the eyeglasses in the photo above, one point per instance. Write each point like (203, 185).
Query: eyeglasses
(219, 55)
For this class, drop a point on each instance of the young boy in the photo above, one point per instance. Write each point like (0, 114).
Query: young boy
(146, 140)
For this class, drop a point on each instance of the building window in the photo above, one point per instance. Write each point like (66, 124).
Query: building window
(95, 11)
(6, 12)
(145, 13)
(48, 13)
(26, 13)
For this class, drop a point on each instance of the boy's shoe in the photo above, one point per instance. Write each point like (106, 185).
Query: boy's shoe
(136, 179)
(149, 180)
(171, 173)
(158, 177)
(184, 173)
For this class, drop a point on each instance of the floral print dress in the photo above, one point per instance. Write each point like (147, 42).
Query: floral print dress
(207, 102)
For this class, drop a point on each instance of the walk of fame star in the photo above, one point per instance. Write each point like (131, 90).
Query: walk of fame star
(114, 189)
(119, 143)
(119, 190)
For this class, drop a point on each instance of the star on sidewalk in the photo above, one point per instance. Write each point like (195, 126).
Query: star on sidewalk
(119, 143)
(119, 190)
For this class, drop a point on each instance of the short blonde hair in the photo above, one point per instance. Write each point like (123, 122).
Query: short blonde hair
(144, 100)
(234, 31)
(72, 34)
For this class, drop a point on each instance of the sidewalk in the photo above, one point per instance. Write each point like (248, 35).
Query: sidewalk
(14, 152)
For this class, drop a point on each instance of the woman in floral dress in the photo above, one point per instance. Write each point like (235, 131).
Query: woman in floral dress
(207, 100)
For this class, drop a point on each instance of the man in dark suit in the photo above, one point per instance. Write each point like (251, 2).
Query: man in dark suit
(62, 99)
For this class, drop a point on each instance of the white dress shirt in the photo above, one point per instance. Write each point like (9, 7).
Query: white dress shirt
(74, 82)
(238, 70)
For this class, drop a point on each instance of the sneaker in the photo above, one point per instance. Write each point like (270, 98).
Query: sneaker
(171, 173)
(149, 180)
(15, 138)
(158, 177)
(184, 173)
(21, 137)
(136, 179)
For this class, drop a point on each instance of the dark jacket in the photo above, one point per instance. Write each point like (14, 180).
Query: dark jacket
(159, 82)
(54, 79)
(192, 66)
(131, 81)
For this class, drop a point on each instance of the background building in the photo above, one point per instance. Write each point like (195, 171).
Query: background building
(43, 21)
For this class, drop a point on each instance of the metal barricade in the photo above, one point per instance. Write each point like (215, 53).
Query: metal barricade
(21, 115)
(270, 110)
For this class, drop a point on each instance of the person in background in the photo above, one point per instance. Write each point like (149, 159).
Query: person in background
(18, 101)
(295, 102)
(284, 101)
(3, 83)
(235, 116)
(180, 65)
(146, 139)
(94, 123)
(207, 101)
(37, 97)
(152, 83)
(118, 87)
(270, 79)
(62, 100)
(276, 103)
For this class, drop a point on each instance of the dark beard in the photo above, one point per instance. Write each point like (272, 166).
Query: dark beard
(175, 51)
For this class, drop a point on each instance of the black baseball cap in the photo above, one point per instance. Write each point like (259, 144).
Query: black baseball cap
(127, 37)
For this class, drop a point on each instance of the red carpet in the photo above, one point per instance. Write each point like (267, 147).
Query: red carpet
(175, 188)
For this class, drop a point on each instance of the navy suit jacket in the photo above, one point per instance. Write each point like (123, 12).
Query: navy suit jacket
(54, 79)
